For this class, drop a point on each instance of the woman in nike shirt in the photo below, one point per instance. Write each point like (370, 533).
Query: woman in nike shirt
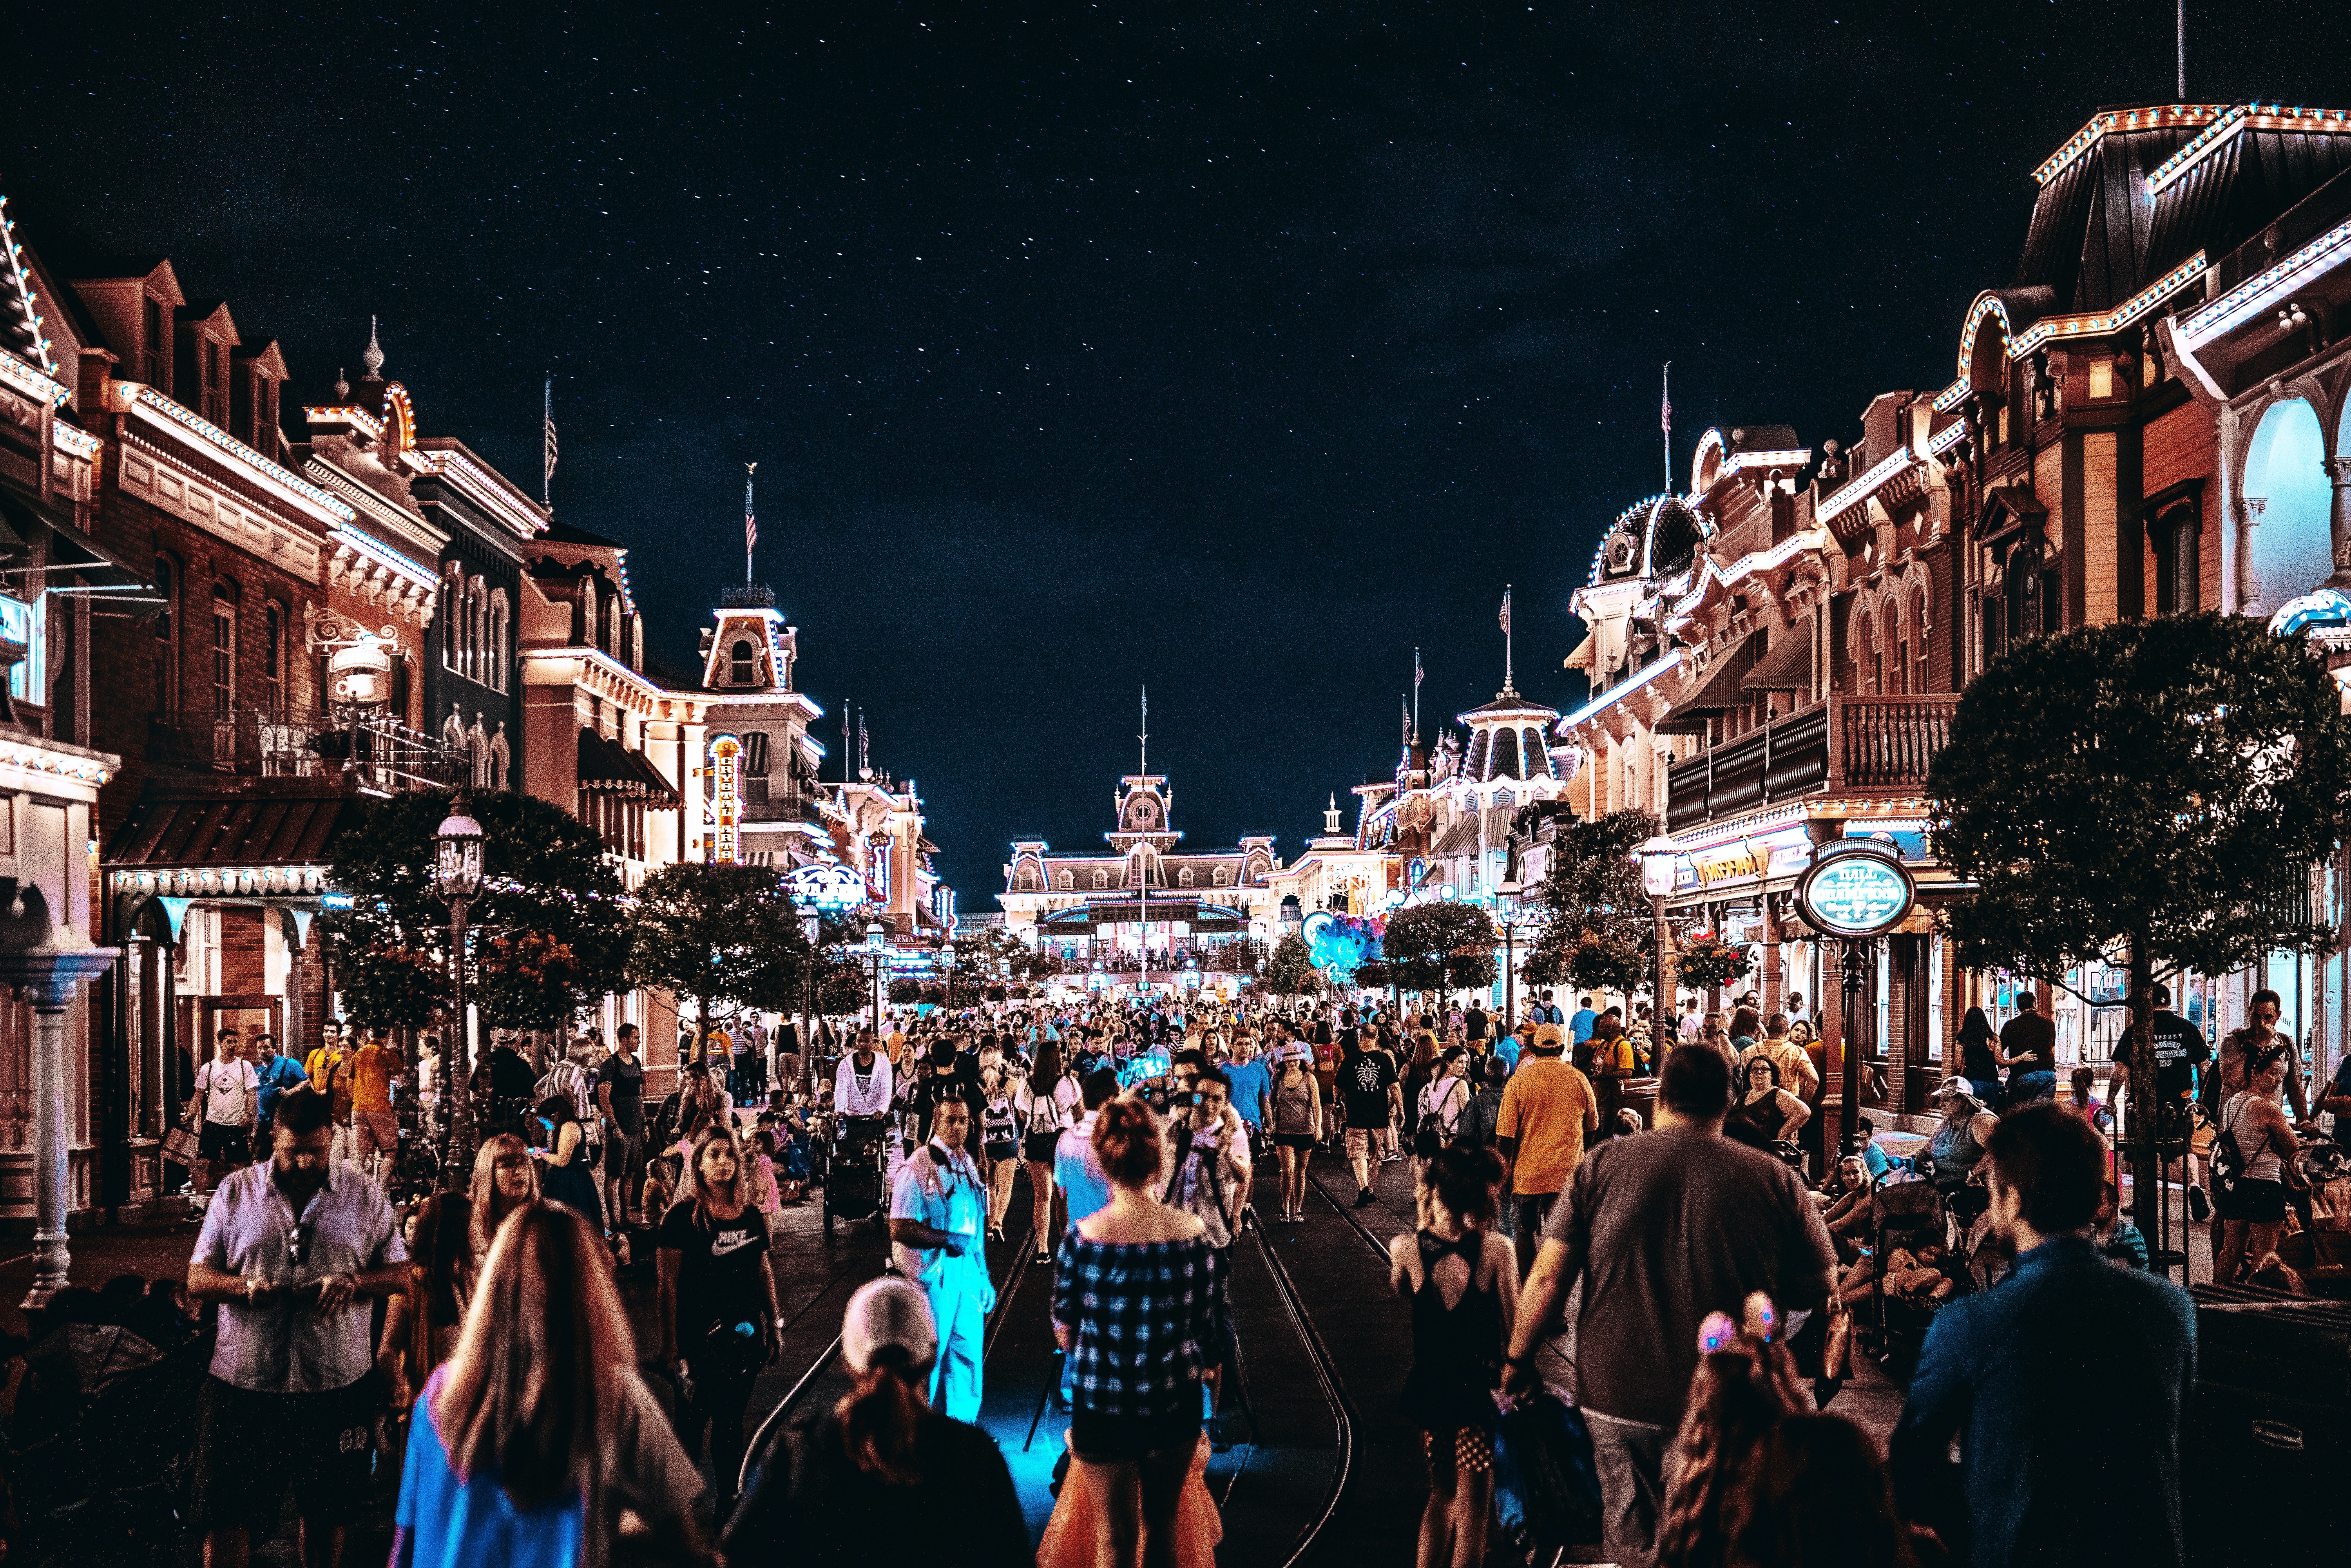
(718, 1311)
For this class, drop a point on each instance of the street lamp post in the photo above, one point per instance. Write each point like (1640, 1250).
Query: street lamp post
(877, 955)
(1658, 857)
(457, 881)
(1506, 905)
(812, 927)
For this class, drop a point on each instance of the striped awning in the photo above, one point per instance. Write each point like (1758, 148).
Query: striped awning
(608, 768)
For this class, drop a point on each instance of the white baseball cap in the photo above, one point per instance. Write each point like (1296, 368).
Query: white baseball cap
(887, 1311)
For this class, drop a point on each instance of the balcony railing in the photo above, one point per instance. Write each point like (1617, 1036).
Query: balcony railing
(1840, 746)
(305, 744)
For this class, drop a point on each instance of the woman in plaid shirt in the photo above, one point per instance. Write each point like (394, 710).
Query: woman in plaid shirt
(1133, 1296)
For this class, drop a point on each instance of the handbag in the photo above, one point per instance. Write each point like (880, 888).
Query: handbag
(1546, 1481)
(180, 1144)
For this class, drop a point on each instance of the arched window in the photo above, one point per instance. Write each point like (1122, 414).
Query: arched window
(1064, 882)
(1919, 630)
(477, 753)
(744, 659)
(1221, 877)
(501, 759)
(2288, 499)
(471, 662)
(1183, 877)
(611, 640)
(223, 649)
(1027, 881)
(453, 615)
(167, 633)
(494, 648)
(1869, 661)
(1898, 636)
(1102, 879)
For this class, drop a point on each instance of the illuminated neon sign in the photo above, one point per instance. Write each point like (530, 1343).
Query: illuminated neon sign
(727, 798)
(826, 887)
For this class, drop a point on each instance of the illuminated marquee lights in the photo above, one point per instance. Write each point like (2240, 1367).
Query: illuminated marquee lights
(32, 299)
(1600, 703)
(423, 576)
(2093, 134)
(80, 443)
(30, 381)
(1947, 437)
(727, 798)
(1861, 489)
(349, 413)
(523, 518)
(2244, 117)
(2113, 320)
(1952, 397)
(1986, 305)
(149, 397)
(2264, 288)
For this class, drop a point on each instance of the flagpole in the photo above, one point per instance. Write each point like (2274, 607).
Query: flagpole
(1666, 419)
(1507, 636)
(547, 452)
(750, 526)
(1415, 696)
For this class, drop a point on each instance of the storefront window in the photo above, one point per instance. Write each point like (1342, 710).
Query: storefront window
(21, 622)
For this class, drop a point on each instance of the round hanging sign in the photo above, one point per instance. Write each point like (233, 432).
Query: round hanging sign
(1859, 892)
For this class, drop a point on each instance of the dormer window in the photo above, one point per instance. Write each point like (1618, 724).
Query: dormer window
(1183, 877)
(1102, 879)
(744, 659)
(1064, 882)
(1221, 877)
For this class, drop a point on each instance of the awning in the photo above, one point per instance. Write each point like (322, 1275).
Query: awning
(1461, 839)
(265, 823)
(114, 587)
(1787, 667)
(1586, 653)
(608, 768)
(1720, 690)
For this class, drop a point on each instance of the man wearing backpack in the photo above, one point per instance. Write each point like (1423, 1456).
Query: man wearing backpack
(223, 1108)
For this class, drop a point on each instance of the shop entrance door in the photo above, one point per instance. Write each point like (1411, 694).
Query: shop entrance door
(202, 1017)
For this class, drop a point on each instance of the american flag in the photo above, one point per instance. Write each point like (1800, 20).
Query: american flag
(1665, 406)
(1415, 669)
(750, 520)
(547, 430)
(1505, 609)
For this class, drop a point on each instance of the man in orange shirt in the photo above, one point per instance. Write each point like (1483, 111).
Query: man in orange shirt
(1546, 1108)
(375, 1131)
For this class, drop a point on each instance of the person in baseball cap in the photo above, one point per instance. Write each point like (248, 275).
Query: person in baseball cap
(880, 1472)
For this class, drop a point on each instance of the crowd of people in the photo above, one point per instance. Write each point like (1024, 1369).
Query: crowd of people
(1565, 1174)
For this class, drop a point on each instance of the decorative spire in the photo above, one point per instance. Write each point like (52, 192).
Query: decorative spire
(371, 357)
(342, 386)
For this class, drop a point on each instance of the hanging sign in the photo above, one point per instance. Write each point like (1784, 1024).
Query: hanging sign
(826, 887)
(727, 798)
(1856, 888)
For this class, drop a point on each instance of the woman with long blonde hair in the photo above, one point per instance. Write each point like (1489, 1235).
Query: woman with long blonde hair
(535, 1437)
(504, 1179)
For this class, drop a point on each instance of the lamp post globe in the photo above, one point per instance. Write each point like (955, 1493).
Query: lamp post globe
(457, 847)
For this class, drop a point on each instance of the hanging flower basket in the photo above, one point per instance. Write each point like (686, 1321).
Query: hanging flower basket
(1707, 962)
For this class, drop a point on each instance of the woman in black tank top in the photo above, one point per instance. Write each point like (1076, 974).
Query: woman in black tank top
(1462, 1280)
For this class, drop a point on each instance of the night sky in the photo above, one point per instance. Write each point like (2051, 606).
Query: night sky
(1231, 349)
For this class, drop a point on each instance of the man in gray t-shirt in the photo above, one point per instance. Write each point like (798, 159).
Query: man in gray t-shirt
(1662, 1229)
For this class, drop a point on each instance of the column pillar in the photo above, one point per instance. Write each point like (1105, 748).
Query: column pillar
(2249, 581)
(1770, 969)
(2339, 470)
(48, 981)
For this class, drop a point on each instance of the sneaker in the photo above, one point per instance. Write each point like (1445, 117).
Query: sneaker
(1390, 1157)
(2197, 1204)
(1364, 1200)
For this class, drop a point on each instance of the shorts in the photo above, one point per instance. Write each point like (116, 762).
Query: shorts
(372, 1130)
(1294, 1140)
(1036, 1148)
(624, 1156)
(2253, 1202)
(1464, 1450)
(250, 1445)
(1000, 1151)
(1113, 1439)
(1359, 1139)
(224, 1144)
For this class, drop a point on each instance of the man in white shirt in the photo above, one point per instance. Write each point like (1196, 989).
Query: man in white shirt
(938, 1209)
(862, 1085)
(225, 1106)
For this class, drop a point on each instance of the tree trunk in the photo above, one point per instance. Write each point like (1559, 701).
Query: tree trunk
(2145, 1118)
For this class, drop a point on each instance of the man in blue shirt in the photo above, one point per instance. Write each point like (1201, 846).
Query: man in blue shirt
(1580, 1027)
(1506, 1047)
(277, 1074)
(2010, 1373)
(1252, 1084)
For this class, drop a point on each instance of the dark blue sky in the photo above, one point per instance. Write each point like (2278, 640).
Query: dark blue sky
(1231, 349)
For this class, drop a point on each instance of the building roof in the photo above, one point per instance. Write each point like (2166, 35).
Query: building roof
(205, 822)
(2143, 188)
(563, 533)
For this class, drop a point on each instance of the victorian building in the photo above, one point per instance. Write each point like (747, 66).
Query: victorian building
(1449, 812)
(759, 800)
(1148, 900)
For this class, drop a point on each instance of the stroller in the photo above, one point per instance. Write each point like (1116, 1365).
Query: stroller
(854, 1167)
(1906, 1214)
